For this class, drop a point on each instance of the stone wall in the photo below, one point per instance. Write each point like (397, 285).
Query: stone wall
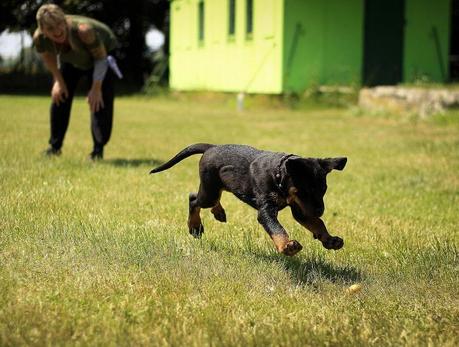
(422, 101)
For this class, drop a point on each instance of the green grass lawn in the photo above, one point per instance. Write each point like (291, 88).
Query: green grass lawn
(99, 253)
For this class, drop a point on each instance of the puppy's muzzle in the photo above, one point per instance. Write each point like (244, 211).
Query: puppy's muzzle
(307, 209)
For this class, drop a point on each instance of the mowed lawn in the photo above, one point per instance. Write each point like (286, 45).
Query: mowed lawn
(99, 253)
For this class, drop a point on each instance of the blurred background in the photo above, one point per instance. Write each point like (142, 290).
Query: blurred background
(140, 25)
(280, 47)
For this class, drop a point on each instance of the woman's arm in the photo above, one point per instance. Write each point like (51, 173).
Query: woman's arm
(59, 91)
(97, 49)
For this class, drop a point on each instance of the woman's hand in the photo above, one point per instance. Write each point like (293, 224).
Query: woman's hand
(95, 99)
(59, 92)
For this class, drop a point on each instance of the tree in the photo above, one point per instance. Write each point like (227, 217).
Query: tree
(129, 20)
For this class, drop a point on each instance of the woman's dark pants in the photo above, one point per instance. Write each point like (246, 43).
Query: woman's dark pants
(101, 121)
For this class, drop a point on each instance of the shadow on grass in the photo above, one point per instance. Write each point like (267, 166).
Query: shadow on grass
(314, 269)
(120, 162)
(306, 270)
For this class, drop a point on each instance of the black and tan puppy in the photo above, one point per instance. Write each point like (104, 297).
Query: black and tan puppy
(267, 181)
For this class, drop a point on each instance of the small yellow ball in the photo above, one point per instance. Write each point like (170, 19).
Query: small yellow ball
(355, 288)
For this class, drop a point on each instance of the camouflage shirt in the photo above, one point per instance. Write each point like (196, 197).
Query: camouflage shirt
(77, 52)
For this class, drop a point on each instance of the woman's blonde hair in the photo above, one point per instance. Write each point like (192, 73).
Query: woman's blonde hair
(50, 15)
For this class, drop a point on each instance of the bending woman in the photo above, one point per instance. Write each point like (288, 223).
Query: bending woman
(73, 47)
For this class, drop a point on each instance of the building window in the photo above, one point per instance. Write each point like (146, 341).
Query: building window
(201, 20)
(232, 17)
(249, 18)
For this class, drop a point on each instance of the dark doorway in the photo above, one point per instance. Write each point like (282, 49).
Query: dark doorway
(454, 42)
(383, 42)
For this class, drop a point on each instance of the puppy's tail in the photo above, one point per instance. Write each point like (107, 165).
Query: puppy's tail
(197, 148)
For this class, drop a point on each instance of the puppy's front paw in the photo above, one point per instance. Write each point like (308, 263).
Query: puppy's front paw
(197, 231)
(333, 242)
(292, 248)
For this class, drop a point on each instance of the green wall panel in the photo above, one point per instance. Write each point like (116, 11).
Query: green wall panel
(296, 44)
(303, 40)
(221, 62)
(343, 39)
(323, 43)
(427, 31)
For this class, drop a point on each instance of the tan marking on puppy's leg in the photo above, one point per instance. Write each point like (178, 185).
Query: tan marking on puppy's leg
(217, 208)
(219, 212)
(286, 246)
(280, 241)
(317, 228)
(194, 219)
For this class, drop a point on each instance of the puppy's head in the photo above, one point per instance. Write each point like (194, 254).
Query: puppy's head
(309, 182)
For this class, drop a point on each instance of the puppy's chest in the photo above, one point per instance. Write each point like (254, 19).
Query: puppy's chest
(280, 201)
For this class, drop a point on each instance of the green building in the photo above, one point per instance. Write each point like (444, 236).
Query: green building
(277, 46)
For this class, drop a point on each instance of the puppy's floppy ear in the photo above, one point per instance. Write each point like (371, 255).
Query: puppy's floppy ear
(329, 164)
(300, 168)
(295, 165)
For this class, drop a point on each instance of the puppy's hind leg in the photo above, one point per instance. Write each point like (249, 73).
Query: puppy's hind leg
(219, 212)
(194, 218)
(208, 196)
